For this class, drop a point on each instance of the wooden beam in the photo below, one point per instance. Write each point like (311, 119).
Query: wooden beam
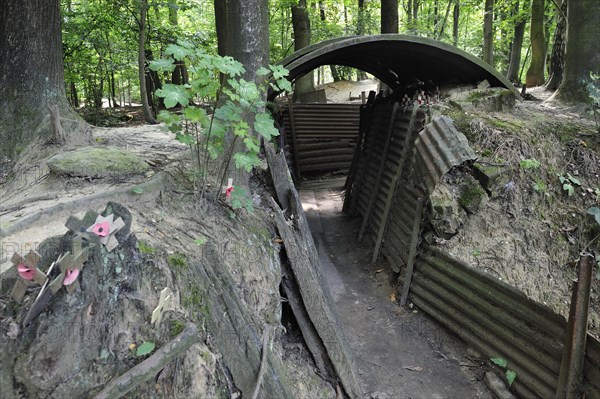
(412, 252)
(297, 171)
(307, 270)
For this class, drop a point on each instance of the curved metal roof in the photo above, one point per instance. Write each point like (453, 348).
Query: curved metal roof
(397, 60)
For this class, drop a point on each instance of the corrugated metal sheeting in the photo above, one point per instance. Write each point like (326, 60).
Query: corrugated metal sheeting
(387, 189)
(499, 321)
(322, 136)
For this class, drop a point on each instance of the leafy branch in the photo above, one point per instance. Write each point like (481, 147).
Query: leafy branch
(237, 108)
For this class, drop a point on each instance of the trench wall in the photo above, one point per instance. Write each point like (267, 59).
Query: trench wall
(397, 164)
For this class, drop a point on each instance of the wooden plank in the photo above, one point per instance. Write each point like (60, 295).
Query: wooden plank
(297, 171)
(367, 154)
(392, 190)
(412, 253)
(306, 267)
(365, 113)
(280, 173)
(375, 192)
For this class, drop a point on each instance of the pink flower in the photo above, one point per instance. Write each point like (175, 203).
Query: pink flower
(228, 191)
(25, 271)
(101, 229)
(70, 276)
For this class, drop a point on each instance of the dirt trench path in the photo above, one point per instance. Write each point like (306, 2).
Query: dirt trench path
(399, 353)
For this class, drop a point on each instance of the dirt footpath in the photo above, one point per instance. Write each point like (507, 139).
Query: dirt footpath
(399, 353)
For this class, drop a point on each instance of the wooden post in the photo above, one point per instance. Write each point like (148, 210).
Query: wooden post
(412, 252)
(571, 366)
(365, 115)
(392, 192)
(297, 171)
(368, 153)
(57, 130)
(375, 191)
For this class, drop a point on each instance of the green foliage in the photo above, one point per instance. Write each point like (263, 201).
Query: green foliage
(539, 186)
(511, 375)
(240, 199)
(145, 248)
(527, 164)
(137, 190)
(237, 112)
(568, 183)
(145, 348)
(177, 261)
(200, 241)
(500, 361)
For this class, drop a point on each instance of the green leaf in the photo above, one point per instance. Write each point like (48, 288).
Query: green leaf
(174, 94)
(145, 348)
(569, 189)
(178, 52)
(251, 144)
(246, 161)
(511, 375)
(263, 124)
(196, 115)
(201, 240)
(162, 65)
(500, 361)
(529, 164)
(137, 190)
(574, 180)
(595, 211)
(186, 139)
(262, 71)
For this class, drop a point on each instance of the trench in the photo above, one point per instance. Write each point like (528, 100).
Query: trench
(398, 352)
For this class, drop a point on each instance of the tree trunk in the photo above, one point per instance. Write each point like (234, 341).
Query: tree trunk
(535, 73)
(142, 64)
(243, 33)
(582, 51)
(32, 75)
(360, 30)
(301, 27)
(180, 74)
(517, 46)
(488, 32)
(455, 21)
(389, 16)
(557, 57)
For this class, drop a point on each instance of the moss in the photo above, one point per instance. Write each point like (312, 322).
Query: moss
(177, 261)
(176, 327)
(471, 195)
(145, 248)
(97, 162)
(509, 126)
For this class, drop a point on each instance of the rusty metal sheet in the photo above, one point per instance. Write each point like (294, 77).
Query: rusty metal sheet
(439, 148)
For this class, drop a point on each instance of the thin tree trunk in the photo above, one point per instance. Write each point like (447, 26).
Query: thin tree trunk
(535, 73)
(142, 64)
(557, 57)
(517, 46)
(389, 16)
(441, 31)
(488, 32)
(301, 26)
(455, 21)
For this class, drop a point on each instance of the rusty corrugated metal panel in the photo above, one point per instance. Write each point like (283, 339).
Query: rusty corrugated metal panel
(325, 134)
(494, 317)
(439, 147)
(591, 371)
